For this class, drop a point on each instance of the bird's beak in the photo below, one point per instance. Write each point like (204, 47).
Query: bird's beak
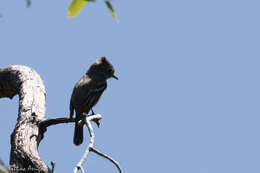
(114, 76)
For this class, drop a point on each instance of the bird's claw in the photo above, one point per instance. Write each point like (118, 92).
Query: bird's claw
(97, 122)
(92, 112)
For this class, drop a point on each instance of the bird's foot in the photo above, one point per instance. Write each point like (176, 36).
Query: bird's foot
(92, 112)
(97, 122)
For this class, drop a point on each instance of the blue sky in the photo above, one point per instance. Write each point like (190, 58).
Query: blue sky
(187, 99)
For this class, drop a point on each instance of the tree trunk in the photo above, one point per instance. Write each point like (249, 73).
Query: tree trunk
(25, 138)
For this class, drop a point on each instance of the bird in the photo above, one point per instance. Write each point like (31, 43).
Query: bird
(87, 91)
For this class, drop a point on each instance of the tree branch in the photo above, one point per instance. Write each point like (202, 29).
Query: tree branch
(90, 147)
(52, 121)
(91, 142)
(107, 157)
(25, 138)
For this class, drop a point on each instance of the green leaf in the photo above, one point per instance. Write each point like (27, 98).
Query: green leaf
(75, 7)
(111, 10)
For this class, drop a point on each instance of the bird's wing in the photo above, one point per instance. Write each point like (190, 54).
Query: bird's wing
(93, 95)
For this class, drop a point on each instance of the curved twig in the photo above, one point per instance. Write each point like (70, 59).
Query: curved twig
(90, 147)
(92, 138)
(107, 157)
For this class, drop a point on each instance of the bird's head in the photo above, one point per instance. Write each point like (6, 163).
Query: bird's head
(103, 68)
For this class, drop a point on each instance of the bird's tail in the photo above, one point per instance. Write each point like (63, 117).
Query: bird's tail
(78, 134)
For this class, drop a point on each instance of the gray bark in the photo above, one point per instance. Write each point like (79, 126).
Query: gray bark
(25, 138)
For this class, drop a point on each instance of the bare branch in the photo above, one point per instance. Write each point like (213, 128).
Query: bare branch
(91, 145)
(107, 157)
(92, 138)
(53, 121)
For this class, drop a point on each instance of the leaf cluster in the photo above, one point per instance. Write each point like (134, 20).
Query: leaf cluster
(77, 5)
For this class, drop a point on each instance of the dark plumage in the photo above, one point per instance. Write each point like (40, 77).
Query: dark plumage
(87, 92)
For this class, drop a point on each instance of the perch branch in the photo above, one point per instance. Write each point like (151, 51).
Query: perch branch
(54, 121)
(90, 147)
(91, 142)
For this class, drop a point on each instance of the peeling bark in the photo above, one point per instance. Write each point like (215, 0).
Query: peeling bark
(25, 138)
